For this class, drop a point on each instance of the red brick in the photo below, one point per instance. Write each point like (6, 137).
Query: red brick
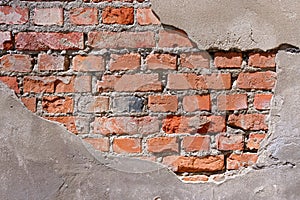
(52, 62)
(38, 84)
(252, 122)
(88, 63)
(195, 60)
(119, 40)
(11, 15)
(255, 140)
(162, 144)
(64, 84)
(192, 81)
(196, 102)
(195, 164)
(100, 144)
(15, 63)
(262, 60)
(161, 61)
(230, 142)
(163, 103)
(69, 122)
(196, 124)
(83, 84)
(262, 101)
(121, 15)
(48, 16)
(34, 41)
(130, 83)
(6, 42)
(257, 80)
(56, 104)
(195, 178)
(228, 60)
(84, 16)
(93, 104)
(172, 39)
(145, 16)
(232, 102)
(11, 82)
(130, 61)
(30, 103)
(127, 145)
(196, 143)
(126, 125)
(237, 161)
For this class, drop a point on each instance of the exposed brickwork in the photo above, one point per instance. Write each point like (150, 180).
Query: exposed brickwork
(109, 72)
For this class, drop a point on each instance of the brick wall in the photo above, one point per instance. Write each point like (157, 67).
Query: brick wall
(112, 74)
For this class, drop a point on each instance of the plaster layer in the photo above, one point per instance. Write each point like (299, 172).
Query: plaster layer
(41, 160)
(237, 24)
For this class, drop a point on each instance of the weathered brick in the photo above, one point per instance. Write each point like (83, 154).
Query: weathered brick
(262, 101)
(52, 62)
(100, 144)
(93, 104)
(127, 145)
(130, 61)
(255, 140)
(192, 81)
(38, 41)
(145, 16)
(83, 84)
(227, 142)
(13, 15)
(73, 124)
(196, 102)
(15, 63)
(196, 124)
(88, 63)
(257, 80)
(6, 42)
(121, 15)
(30, 103)
(262, 60)
(195, 178)
(161, 61)
(195, 60)
(130, 83)
(63, 84)
(11, 82)
(163, 103)
(195, 164)
(36, 84)
(56, 104)
(48, 16)
(118, 40)
(248, 121)
(173, 38)
(162, 144)
(196, 143)
(236, 161)
(126, 125)
(84, 16)
(232, 102)
(128, 104)
(228, 60)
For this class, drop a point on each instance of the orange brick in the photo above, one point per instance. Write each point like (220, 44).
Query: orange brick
(196, 102)
(236, 161)
(121, 15)
(88, 63)
(69, 122)
(232, 102)
(195, 60)
(15, 63)
(127, 145)
(100, 144)
(162, 144)
(56, 104)
(30, 103)
(11, 82)
(173, 38)
(130, 61)
(163, 103)
(252, 122)
(195, 178)
(195, 164)
(230, 142)
(145, 16)
(196, 143)
(255, 140)
(228, 60)
(257, 80)
(161, 61)
(262, 60)
(262, 101)
(84, 16)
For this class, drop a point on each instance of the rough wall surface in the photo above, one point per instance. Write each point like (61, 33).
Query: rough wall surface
(238, 24)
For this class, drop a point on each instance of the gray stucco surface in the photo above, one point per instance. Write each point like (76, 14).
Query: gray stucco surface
(240, 24)
(41, 160)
